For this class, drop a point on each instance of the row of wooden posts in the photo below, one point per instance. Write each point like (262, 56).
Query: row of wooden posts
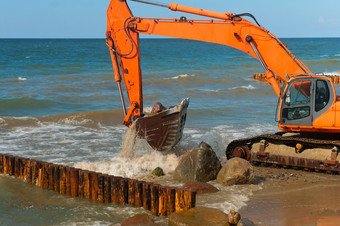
(160, 200)
(262, 76)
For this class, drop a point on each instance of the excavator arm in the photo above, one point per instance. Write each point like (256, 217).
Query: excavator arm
(222, 28)
(125, 55)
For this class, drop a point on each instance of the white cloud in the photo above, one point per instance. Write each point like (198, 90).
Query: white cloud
(328, 21)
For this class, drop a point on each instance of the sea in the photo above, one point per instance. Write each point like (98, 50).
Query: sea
(59, 103)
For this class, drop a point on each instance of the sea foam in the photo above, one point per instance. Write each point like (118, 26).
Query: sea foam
(182, 76)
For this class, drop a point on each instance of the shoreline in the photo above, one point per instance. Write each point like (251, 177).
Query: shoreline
(293, 197)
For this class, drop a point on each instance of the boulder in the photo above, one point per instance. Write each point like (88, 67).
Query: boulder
(234, 217)
(158, 171)
(140, 219)
(200, 187)
(236, 171)
(199, 216)
(200, 164)
(158, 107)
(245, 222)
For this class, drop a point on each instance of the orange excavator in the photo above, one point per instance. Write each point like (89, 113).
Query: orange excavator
(308, 108)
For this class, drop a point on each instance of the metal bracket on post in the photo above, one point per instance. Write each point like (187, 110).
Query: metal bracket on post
(261, 153)
(334, 155)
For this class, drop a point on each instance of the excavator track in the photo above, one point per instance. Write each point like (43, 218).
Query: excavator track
(289, 150)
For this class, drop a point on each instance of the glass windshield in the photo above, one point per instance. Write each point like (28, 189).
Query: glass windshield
(298, 93)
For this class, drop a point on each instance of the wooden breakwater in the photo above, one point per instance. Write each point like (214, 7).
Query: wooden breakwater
(262, 76)
(160, 200)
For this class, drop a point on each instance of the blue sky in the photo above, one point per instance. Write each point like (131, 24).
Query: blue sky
(87, 18)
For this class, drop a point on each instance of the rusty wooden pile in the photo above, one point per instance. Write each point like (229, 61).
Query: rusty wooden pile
(160, 200)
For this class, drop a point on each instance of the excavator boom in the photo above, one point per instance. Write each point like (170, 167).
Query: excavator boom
(299, 109)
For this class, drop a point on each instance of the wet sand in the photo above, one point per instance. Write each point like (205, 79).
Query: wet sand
(292, 197)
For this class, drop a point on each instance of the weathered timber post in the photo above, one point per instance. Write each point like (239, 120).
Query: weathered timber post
(6, 164)
(154, 189)
(23, 168)
(56, 175)
(1, 163)
(40, 170)
(87, 184)
(179, 205)
(163, 195)
(11, 165)
(81, 184)
(189, 199)
(68, 180)
(185, 199)
(131, 195)
(62, 172)
(146, 196)
(94, 186)
(171, 200)
(100, 187)
(124, 199)
(35, 171)
(29, 169)
(17, 165)
(139, 193)
(115, 186)
(107, 188)
(46, 175)
(74, 181)
(51, 179)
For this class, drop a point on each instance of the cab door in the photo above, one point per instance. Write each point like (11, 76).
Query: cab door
(297, 104)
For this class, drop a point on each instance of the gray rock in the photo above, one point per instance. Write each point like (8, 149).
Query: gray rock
(199, 216)
(236, 171)
(200, 187)
(245, 222)
(200, 164)
(140, 219)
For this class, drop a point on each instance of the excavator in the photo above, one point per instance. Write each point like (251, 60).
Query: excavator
(308, 109)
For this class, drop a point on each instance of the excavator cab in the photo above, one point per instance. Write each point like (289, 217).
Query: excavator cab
(305, 99)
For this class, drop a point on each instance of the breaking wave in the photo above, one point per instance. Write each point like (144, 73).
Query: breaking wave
(87, 119)
(182, 76)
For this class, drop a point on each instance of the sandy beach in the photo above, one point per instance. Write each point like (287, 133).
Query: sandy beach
(292, 197)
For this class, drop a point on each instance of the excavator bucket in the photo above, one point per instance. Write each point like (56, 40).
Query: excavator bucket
(163, 127)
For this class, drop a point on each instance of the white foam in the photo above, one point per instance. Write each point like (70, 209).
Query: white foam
(22, 79)
(228, 198)
(62, 143)
(211, 90)
(133, 166)
(249, 87)
(182, 76)
(135, 158)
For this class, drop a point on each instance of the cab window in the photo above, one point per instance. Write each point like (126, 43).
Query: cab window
(298, 93)
(321, 95)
